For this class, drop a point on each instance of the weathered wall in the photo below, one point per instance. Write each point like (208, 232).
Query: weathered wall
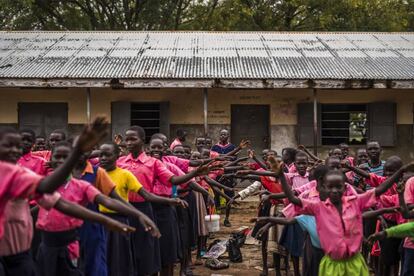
(186, 107)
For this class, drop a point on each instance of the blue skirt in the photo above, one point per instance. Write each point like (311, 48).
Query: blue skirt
(145, 248)
(166, 218)
(93, 247)
(292, 239)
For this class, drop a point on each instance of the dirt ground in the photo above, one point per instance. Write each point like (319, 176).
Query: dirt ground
(252, 259)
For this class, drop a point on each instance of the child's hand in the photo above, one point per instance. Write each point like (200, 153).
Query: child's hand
(210, 201)
(207, 168)
(244, 144)
(345, 164)
(401, 187)
(276, 166)
(118, 139)
(92, 134)
(150, 226)
(301, 147)
(377, 236)
(262, 231)
(179, 202)
(250, 153)
(117, 226)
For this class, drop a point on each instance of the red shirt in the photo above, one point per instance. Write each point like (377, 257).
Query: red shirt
(147, 170)
(34, 163)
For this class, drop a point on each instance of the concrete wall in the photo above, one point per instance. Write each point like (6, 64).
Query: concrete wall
(186, 107)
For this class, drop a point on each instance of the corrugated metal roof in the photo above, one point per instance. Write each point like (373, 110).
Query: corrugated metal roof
(206, 55)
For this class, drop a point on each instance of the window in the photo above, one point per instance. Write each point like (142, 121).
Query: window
(344, 123)
(146, 115)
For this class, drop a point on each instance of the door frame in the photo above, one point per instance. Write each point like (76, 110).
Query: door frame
(269, 110)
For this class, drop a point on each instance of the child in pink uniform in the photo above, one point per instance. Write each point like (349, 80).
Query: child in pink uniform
(29, 160)
(56, 136)
(19, 184)
(147, 170)
(60, 231)
(339, 221)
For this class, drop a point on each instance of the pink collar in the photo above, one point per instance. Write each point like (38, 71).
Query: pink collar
(142, 158)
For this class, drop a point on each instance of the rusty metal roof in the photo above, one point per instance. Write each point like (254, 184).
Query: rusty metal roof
(206, 55)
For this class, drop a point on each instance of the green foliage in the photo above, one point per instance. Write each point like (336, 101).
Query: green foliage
(214, 15)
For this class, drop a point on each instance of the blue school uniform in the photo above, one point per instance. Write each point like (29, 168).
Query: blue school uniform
(93, 239)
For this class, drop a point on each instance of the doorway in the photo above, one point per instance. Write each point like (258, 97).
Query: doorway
(251, 122)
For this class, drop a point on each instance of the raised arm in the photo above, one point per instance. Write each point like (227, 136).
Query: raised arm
(242, 145)
(90, 136)
(277, 168)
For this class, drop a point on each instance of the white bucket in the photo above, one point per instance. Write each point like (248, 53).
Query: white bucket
(212, 222)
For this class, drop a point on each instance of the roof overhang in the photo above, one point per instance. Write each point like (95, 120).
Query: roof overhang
(205, 83)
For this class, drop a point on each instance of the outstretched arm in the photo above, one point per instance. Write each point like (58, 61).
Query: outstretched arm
(161, 200)
(214, 183)
(242, 145)
(379, 212)
(80, 212)
(127, 210)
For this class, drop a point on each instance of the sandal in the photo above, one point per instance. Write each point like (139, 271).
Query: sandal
(215, 264)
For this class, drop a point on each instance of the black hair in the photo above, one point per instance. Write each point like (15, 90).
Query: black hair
(30, 131)
(117, 150)
(140, 131)
(333, 172)
(373, 141)
(320, 171)
(180, 132)
(396, 160)
(61, 132)
(176, 146)
(7, 130)
(40, 137)
(158, 136)
(291, 152)
(300, 153)
(270, 150)
(331, 157)
(62, 144)
(185, 145)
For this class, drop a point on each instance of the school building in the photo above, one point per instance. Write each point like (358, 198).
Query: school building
(276, 88)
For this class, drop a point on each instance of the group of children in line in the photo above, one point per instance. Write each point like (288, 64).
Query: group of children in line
(69, 207)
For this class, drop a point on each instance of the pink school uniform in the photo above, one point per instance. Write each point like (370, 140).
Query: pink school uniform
(147, 170)
(175, 143)
(77, 191)
(16, 182)
(181, 163)
(45, 154)
(18, 226)
(409, 199)
(296, 180)
(34, 163)
(341, 236)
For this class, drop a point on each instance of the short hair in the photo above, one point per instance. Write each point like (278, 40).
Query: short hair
(7, 130)
(139, 130)
(373, 141)
(290, 151)
(117, 150)
(177, 146)
(339, 173)
(61, 132)
(320, 171)
(300, 153)
(158, 136)
(343, 144)
(180, 132)
(332, 157)
(40, 137)
(396, 160)
(30, 131)
(62, 144)
(270, 150)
